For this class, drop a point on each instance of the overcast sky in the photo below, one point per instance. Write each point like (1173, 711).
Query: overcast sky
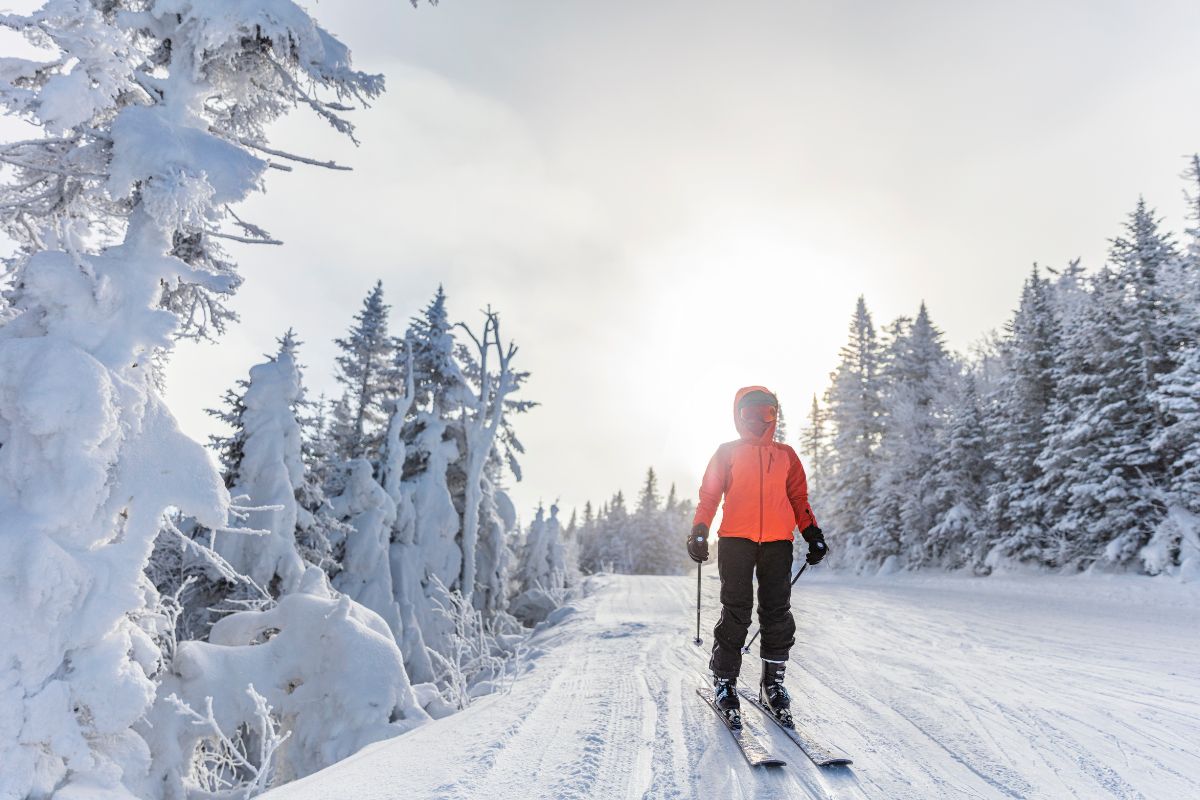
(669, 200)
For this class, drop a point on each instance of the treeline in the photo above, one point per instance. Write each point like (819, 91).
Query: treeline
(1071, 440)
(645, 540)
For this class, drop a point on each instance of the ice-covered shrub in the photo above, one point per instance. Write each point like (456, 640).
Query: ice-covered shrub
(327, 666)
(475, 654)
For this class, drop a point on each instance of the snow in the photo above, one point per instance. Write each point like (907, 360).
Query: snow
(1005, 687)
(328, 667)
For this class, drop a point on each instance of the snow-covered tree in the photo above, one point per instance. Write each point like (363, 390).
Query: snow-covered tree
(649, 499)
(1020, 409)
(263, 463)
(915, 379)
(366, 370)
(853, 403)
(153, 119)
(316, 658)
(814, 448)
(542, 573)
(1101, 472)
(958, 484)
(490, 379)
(438, 375)
(317, 526)
(1175, 541)
(1176, 537)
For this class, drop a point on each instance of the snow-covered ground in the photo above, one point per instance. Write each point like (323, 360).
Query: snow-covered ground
(939, 687)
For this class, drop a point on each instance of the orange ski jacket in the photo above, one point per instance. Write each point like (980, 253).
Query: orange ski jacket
(763, 481)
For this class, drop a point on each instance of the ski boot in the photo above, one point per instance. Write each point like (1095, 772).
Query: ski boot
(725, 695)
(772, 694)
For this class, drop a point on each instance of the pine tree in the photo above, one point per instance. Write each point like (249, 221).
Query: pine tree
(1151, 341)
(649, 499)
(915, 371)
(814, 446)
(439, 378)
(366, 370)
(1192, 196)
(959, 480)
(672, 502)
(1031, 357)
(1100, 471)
(1177, 537)
(264, 464)
(854, 408)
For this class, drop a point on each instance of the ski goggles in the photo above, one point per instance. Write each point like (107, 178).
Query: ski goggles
(758, 413)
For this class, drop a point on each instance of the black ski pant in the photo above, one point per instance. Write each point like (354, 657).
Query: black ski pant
(737, 562)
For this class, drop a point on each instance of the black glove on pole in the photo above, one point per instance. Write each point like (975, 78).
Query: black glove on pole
(697, 542)
(816, 544)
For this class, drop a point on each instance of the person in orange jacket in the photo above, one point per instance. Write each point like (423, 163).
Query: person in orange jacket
(766, 498)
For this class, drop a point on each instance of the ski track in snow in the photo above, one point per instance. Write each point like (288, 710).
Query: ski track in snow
(955, 688)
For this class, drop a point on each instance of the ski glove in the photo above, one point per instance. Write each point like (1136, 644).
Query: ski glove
(697, 543)
(816, 544)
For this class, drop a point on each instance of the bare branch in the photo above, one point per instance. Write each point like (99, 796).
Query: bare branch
(283, 154)
(242, 239)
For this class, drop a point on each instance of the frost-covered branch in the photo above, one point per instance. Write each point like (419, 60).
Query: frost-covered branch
(224, 767)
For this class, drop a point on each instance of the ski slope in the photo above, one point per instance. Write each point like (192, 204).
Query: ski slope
(1039, 687)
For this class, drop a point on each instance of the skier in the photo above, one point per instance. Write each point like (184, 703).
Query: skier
(766, 498)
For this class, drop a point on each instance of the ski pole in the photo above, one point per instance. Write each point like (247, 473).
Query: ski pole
(698, 641)
(746, 649)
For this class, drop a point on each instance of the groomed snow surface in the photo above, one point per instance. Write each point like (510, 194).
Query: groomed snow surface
(1033, 687)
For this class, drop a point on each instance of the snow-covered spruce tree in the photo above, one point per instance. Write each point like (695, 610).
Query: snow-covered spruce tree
(1103, 475)
(615, 536)
(1018, 417)
(366, 370)
(368, 500)
(814, 448)
(1144, 258)
(439, 382)
(853, 403)
(1176, 539)
(263, 463)
(541, 575)
(882, 535)
(958, 483)
(915, 379)
(590, 549)
(318, 529)
(153, 116)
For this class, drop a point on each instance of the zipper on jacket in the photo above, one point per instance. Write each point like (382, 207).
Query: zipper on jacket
(761, 481)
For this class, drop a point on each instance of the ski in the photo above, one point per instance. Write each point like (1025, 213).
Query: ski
(821, 754)
(750, 741)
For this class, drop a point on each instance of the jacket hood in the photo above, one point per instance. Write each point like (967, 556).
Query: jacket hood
(747, 435)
